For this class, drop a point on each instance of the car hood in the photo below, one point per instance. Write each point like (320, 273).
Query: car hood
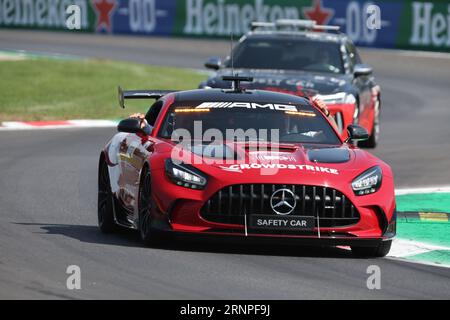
(293, 82)
(284, 163)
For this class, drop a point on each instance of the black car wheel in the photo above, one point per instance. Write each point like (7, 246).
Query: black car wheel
(373, 139)
(105, 201)
(380, 250)
(145, 205)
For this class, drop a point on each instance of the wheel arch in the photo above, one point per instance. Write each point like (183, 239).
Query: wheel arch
(101, 158)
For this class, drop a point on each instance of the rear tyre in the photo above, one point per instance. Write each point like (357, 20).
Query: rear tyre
(105, 201)
(374, 137)
(378, 251)
(148, 235)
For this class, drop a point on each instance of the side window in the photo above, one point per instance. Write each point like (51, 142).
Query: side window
(352, 54)
(356, 54)
(153, 112)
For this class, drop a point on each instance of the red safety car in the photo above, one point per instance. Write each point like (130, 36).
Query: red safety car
(244, 163)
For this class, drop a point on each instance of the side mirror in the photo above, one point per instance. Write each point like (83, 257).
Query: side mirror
(362, 69)
(130, 125)
(213, 63)
(357, 133)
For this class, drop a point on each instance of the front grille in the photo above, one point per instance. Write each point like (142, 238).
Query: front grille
(230, 204)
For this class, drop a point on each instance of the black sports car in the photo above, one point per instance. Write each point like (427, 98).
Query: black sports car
(305, 59)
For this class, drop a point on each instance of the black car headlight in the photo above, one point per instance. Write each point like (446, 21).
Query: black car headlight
(185, 175)
(368, 182)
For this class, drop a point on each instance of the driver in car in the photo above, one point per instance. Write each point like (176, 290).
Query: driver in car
(324, 58)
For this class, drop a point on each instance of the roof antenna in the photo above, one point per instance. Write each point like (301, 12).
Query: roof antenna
(235, 78)
(232, 59)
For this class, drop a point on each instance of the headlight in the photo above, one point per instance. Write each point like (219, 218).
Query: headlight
(367, 182)
(185, 175)
(337, 98)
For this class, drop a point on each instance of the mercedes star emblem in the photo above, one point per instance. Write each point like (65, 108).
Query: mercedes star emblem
(283, 201)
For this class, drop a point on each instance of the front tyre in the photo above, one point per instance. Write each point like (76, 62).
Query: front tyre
(381, 250)
(105, 202)
(145, 206)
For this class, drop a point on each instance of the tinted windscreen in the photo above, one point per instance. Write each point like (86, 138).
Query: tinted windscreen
(242, 121)
(298, 54)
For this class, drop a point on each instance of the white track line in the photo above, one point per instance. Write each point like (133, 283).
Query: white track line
(427, 263)
(16, 125)
(93, 123)
(410, 53)
(424, 54)
(434, 189)
(404, 248)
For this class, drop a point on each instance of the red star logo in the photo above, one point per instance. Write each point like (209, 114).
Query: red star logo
(104, 10)
(318, 13)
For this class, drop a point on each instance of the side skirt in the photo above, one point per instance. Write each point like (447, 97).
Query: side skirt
(121, 216)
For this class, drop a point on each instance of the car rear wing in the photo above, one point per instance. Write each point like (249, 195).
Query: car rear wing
(140, 94)
(293, 25)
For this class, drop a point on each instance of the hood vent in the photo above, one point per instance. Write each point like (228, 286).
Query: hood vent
(329, 155)
(271, 147)
(216, 151)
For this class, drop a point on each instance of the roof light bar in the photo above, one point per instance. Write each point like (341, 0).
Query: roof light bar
(301, 113)
(297, 24)
(326, 28)
(307, 24)
(261, 24)
(191, 110)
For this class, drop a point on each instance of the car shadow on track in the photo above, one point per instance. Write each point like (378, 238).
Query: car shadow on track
(89, 234)
(130, 238)
(234, 245)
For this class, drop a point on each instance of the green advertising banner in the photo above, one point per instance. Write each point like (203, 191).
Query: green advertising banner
(44, 14)
(425, 26)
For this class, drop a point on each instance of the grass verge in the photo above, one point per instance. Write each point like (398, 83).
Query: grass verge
(49, 89)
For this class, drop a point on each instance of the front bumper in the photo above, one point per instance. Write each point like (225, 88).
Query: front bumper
(326, 236)
(271, 239)
(179, 212)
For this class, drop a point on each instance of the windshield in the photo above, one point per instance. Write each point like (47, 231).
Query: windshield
(247, 121)
(283, 54)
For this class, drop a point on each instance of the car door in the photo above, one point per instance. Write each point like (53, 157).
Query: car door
(133, 152)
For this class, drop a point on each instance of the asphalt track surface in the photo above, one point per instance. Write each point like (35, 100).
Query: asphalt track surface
(48, 198)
